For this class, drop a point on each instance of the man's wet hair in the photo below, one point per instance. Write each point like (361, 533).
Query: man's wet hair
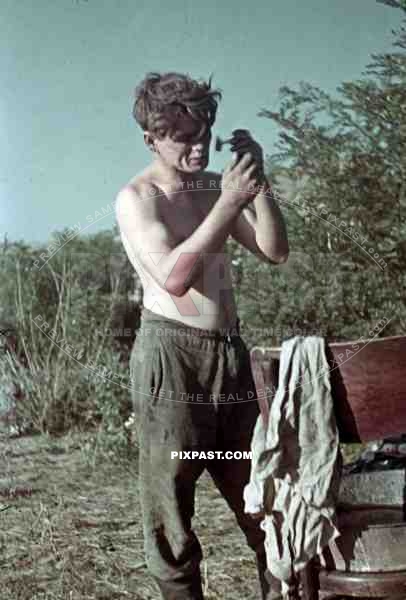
(162, 99)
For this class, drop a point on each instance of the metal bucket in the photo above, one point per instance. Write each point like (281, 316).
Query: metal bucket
(372, 540)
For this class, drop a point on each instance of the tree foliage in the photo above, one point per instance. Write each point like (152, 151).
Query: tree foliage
(340, 171)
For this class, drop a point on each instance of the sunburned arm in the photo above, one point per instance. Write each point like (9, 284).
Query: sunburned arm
(175, 267)
(244, 232)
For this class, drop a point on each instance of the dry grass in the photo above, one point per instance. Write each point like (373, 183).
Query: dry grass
(71, 528)
(70, 517)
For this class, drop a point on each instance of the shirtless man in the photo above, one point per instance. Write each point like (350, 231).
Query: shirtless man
(188, 359)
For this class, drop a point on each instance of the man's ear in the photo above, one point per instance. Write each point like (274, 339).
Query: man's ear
(149, 140)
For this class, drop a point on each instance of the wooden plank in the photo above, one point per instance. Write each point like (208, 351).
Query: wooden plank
(368, 382)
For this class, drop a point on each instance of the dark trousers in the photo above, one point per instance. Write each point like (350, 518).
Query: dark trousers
(192, 390)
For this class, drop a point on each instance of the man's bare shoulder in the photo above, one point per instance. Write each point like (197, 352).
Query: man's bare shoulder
(138, 190)
(142, 182)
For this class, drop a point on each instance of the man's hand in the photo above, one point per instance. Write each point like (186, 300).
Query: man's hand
(242, 142)
(239, 183)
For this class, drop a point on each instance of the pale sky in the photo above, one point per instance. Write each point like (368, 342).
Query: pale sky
(68, 69)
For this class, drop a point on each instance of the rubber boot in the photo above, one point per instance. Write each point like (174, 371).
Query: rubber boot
(189, 588)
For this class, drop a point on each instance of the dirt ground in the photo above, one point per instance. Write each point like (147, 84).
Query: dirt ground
(71, 528)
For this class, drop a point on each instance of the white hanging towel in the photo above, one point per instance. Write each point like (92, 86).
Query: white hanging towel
(296, 465)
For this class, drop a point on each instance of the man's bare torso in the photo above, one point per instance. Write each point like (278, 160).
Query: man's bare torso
(212, 294)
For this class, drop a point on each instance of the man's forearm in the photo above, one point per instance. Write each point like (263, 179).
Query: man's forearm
(185, 263)
(269, 225)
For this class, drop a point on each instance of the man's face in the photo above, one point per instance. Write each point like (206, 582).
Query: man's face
(188, 148)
